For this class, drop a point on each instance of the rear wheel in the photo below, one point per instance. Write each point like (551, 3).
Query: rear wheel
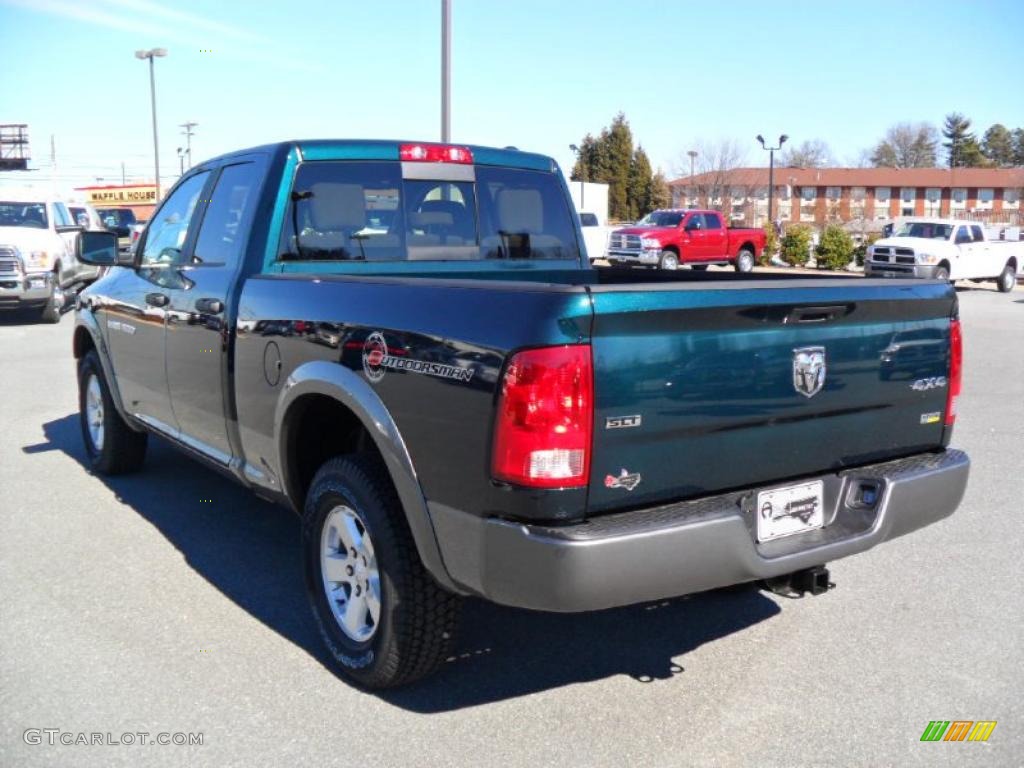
(745, 261)
(383, 618)
(668, 260)
(112, 446)
(1006, 280)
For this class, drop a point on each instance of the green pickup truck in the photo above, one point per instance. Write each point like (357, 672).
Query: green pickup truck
(403, 343)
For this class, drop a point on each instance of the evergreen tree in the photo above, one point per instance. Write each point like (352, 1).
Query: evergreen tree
(961, 144)
(997, 145)
(661, 195)
(1018, 146)
(639, 187)
(617, 156)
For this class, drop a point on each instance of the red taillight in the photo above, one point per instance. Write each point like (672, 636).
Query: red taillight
(545, 416)
(434, 153)
(956, 365)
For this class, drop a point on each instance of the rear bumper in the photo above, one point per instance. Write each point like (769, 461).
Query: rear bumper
(687, 547)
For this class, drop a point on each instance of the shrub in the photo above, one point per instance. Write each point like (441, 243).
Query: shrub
(861, 251)
(835, 250)
(771, 244)
(796, 245)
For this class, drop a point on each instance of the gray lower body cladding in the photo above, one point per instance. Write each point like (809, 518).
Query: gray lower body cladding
(692, 546)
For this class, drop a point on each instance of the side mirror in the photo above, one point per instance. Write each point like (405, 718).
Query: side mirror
(97, 248)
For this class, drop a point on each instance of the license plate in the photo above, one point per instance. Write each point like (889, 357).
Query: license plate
(793, 509)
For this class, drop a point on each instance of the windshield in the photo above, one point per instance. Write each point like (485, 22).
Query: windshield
(366, 211)
(31, 215)
(661, 219)
(117, 217)
(925, 229)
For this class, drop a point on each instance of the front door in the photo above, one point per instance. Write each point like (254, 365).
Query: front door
(197, 332)
(135, 306)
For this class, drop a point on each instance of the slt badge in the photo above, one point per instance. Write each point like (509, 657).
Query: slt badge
(627, 480)
(809, 370)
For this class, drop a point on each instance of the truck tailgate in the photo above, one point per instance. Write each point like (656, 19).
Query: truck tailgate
(705, 387)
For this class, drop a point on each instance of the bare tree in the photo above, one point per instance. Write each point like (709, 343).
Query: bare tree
(813, 153)
(713, 168)
(907, 145)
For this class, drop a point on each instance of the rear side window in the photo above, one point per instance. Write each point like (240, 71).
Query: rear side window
(712, 221)
(366, 211)
(588, 220)
(977, 233)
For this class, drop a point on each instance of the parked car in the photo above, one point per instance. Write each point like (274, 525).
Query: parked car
(595, 235)
(37, 254)
(668, 238)
(122, 222)
(85, 216)
(458, 405)
(945, 249)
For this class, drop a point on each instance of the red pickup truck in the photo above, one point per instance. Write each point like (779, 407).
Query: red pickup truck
(669, 238)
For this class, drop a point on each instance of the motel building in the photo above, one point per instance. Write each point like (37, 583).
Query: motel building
(862, 198)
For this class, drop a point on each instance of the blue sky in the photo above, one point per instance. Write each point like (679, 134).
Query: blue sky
(535, 74)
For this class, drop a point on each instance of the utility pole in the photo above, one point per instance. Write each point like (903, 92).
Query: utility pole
(124, 183)
(693, 156)
(446, 70)
(188, 126)
(53, 164)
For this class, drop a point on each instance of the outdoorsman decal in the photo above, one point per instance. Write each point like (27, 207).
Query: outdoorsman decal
(377, 359)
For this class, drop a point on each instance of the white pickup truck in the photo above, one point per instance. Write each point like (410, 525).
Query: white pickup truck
(37, 254)
(946, 249)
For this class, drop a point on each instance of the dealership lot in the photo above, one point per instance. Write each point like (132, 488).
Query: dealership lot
(172, 601)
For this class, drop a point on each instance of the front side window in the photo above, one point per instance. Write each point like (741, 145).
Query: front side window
(366, 211)
(221, 235)
(30, 215)
(977, 234)
(962, 235)
(169, 228)
(61, 217)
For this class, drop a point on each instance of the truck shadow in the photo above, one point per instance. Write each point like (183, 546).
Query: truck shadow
(248, 550)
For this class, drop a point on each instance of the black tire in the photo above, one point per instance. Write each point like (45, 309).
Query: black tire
(745, 261)
(122, 449)
(51, 309)
(942, 273)
(1007, 279)
(417, 618)
(669, 260)
(699, 267)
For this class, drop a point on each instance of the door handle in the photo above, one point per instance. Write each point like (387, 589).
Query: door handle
(210, 306)
(157, 299)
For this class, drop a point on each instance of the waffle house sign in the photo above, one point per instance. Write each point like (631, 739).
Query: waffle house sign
(141, 194)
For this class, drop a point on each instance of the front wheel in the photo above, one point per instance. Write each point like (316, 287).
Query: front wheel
(55, 302)
(668, 260)
(1006, 280)
(384, 620)
(744, 261)
(112, 446)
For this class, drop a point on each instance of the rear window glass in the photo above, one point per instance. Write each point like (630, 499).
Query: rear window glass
(588, 219)
(365, 211)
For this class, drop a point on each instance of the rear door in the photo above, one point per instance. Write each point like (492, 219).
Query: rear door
(716, 238)
(197, 334)
(701, 389)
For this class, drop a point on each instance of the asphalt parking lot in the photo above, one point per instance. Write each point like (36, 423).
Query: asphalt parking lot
(172, 601)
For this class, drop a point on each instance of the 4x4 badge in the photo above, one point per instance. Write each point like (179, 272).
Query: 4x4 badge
(627, 480)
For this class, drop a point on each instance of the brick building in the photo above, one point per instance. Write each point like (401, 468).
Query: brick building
(868, 196)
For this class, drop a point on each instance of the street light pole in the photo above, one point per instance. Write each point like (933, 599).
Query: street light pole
(771, 173)
(446, 70)
(693, 156)
(151, 54)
